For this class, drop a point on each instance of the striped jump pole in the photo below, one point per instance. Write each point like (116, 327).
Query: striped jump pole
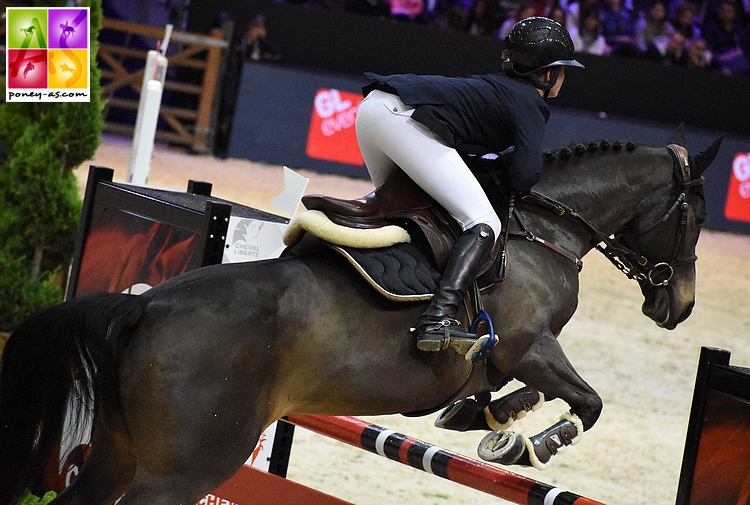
(431, 459)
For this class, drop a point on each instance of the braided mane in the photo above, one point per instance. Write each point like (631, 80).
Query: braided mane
(581, 148)
(575, 149)
(493, 175)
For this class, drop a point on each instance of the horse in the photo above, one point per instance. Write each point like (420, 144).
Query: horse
(66, 30)
(29, 67)
(65, 68)
(183, 379)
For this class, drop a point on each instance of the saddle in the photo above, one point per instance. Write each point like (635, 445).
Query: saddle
(397, 237)
(398, 201)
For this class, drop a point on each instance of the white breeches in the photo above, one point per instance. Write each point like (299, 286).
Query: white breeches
(389, 139)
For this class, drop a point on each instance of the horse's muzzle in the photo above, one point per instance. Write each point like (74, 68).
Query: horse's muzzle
(671, 304)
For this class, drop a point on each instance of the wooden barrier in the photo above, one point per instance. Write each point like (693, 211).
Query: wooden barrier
(429, 458)
(192, 123)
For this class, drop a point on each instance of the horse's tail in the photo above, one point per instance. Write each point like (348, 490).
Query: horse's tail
(61, 351)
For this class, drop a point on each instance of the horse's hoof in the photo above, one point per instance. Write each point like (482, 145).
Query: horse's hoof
(504, 447)
(466, 414)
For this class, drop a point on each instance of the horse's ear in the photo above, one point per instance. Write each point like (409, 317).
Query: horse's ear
(702, 160)
(678, 137)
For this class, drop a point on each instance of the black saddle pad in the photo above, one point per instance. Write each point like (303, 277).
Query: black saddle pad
(400, 272)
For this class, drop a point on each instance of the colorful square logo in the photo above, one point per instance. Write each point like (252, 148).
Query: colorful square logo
(48, 54)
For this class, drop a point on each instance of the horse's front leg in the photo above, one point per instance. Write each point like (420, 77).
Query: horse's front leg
(545, 368)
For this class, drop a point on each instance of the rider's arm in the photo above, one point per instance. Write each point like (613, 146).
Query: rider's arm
(527, 159)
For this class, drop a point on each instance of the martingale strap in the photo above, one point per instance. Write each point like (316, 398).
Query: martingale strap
(526, 233)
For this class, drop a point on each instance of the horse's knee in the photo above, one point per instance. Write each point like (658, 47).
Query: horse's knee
(589, 411)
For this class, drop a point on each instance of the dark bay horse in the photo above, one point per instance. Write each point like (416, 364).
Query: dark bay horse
(183, 379)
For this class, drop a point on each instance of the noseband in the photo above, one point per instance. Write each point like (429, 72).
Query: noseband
(631, 263)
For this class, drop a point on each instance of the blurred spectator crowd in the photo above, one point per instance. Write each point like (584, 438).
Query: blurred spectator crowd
(709, 34)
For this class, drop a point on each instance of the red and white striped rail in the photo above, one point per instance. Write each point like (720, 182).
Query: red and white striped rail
(429, 458)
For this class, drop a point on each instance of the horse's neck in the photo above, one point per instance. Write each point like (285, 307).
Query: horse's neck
(606, 189)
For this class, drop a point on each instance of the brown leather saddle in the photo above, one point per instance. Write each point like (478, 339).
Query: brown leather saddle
(398, 201)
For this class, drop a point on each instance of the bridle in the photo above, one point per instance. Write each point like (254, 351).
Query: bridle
(631, 263)
(680, 255)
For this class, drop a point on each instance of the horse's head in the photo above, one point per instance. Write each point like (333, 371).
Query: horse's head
(666, 236)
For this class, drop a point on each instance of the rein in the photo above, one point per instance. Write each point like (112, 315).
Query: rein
(631, 263)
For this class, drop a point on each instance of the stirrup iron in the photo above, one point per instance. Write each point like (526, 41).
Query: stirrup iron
(482, 348)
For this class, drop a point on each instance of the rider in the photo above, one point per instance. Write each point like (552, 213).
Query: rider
(423, 125)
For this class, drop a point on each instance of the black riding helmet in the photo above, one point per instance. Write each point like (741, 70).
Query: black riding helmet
(535, 44)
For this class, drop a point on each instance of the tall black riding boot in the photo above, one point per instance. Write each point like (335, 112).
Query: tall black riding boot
(438, 327)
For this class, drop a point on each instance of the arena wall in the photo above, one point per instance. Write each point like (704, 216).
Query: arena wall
(275, 112)
(347, 43)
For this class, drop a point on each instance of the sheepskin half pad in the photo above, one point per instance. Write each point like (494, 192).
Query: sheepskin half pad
(383, 256)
